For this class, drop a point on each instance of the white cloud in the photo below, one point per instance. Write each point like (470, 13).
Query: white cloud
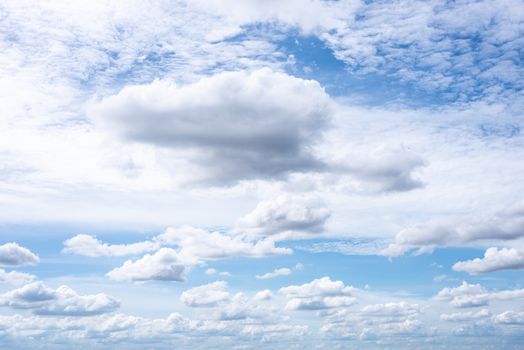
(509, 317)
(207, 295)
(419, 39)
(11, 254)
(239, 307)
(494, 259)
(265, 294)
(90, 246)
(392, 309)
(233, 125)
(322, 293)
(284, 271)
(309, 16)
(285, 217)
(465, 316)
(197, 244)
(131, 331)
(212, 271)
(193, 246)
(164, 265)
(465, 295)
(42, 300)
(232, 307)
(506, 225)
(319, 303)
(15, 278)
(319, 287)
(473, 295)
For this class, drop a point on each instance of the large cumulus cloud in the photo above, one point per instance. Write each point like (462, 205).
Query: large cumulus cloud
(233, 125)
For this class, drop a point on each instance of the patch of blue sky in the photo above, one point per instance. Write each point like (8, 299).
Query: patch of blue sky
(116, 73)
(505, 130)
(47, 242)
(312, 59)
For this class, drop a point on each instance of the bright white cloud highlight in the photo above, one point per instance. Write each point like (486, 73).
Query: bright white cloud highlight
(494, 259)
(284, 271)
(265, 294)
(285, 217)
(90, 246)
(322, 293)
(164, 265)
(207, 295)
(197, 244)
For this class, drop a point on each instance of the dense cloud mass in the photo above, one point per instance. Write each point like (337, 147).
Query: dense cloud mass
(234, 125)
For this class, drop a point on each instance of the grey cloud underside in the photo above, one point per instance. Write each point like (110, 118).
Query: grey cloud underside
(501, 228)
(233, 125)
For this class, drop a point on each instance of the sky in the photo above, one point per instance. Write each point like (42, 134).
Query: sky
(298, 174)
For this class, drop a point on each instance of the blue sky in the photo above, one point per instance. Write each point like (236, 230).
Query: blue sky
(303, 174)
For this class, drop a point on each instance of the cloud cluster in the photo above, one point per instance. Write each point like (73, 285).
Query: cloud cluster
(460, 50)
(193, 246)
(64, 301)
(474, 295)
(15, 278)
(88, 245)
(391, 309)
(234, 125)
(503, 226)
(510, 317)
(322, 293)
(225, 306)
(164, 265)
(207, 295)
(443, 47)
(178, 250)
(197, 244)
